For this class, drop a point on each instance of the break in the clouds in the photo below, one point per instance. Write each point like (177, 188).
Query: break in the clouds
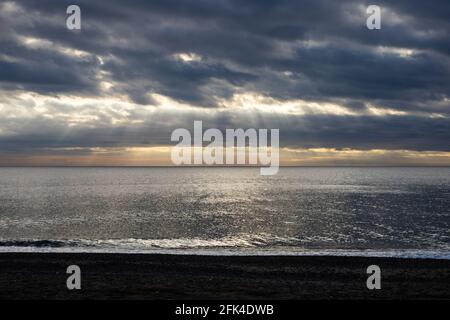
(139, 69)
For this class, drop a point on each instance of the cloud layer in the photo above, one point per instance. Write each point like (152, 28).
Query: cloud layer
(139, 69)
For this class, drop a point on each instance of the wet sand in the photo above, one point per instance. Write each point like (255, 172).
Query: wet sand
(139, 276)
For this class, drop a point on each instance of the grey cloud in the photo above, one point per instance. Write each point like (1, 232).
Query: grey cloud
(312, 50)
(310, 131)
(243, 41)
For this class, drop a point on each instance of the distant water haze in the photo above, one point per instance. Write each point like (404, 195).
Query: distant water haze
(234, 209)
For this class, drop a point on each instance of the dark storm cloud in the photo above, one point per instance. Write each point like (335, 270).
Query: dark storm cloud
(314, 50)
(311, 131)
(46, 71)
(244, 44)
(366, 132)
(353, 73)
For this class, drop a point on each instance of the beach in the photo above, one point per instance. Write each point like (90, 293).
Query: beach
(161, 276)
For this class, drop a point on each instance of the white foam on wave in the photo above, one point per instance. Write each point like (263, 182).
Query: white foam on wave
(247, 245)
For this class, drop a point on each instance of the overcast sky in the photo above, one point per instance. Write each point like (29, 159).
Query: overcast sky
(112, 92)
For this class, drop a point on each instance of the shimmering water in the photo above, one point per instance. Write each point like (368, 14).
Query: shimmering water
(231, 209)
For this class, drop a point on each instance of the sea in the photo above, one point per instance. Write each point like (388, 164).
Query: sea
(350, 211)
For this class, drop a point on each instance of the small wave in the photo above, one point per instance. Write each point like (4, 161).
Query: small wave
(242, 241)
(39, 243)
(257, 245)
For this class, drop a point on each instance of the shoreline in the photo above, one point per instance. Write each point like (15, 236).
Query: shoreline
(183, 277)
(434, 254)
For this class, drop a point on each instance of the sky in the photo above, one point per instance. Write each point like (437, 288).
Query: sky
(113, 92)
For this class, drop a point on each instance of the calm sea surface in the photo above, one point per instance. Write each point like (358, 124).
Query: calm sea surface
(375, 211)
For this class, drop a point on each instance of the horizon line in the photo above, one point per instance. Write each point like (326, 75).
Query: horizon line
(228, 166)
